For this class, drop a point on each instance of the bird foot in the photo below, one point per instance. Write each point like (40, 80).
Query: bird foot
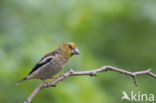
(53, 77)
(62, 75)
(48, 84)
(93, 74)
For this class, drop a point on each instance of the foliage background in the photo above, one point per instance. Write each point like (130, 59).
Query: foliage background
(120, 33)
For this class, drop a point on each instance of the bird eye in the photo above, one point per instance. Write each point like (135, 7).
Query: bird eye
(70, 46)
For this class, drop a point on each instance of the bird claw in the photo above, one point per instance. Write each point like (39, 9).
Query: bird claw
(62, 75)
(93, 74)
(48, 84)
(53, 78)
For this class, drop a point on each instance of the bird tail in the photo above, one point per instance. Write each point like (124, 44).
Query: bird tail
(21, 80)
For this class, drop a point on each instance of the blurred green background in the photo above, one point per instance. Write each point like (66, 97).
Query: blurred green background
(119, 33)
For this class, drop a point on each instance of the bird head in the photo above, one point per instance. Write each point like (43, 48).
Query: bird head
(69, 49)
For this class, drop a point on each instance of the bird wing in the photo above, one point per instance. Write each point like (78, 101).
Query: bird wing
(46, 59)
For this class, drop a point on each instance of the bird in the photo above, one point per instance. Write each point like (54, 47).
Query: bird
(52, 63)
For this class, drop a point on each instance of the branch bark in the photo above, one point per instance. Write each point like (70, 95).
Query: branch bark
(90, 73)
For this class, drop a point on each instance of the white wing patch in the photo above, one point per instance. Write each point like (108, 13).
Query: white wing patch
(46, 59)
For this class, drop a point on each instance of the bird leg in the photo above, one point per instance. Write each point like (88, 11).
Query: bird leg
(47, 83)
(62, 75)
(53, 78)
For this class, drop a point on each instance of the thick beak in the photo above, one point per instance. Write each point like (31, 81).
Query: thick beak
(75, 52)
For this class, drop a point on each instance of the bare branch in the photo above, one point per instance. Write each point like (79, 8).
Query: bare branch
(89, 73)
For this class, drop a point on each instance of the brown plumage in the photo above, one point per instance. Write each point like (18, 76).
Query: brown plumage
(52, 63)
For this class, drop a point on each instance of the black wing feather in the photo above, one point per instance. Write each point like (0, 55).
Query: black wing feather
(40, 64)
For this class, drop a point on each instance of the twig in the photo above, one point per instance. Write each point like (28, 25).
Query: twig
(90, 73)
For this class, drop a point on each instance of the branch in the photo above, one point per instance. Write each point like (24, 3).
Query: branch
(90, 73)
